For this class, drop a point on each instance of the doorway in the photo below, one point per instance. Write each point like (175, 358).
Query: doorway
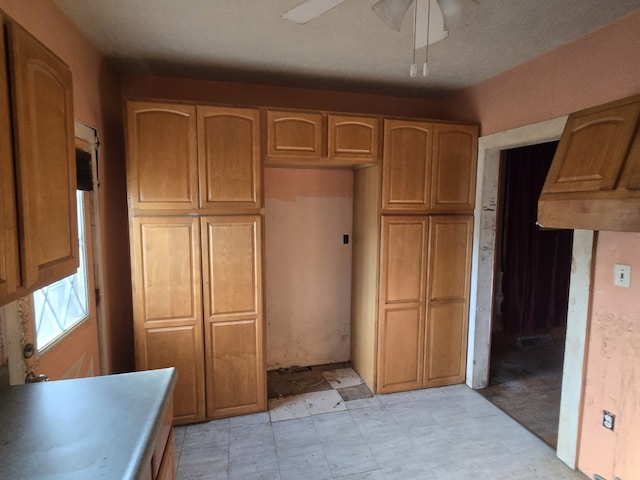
(532, 273)
(481, 300)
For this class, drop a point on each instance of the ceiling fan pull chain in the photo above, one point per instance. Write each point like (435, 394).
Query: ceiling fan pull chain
(413, 71)
(425, 67)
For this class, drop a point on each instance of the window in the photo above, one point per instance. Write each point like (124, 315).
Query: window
(64, 304)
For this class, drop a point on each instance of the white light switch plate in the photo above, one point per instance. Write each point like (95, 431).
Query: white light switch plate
(622, 275)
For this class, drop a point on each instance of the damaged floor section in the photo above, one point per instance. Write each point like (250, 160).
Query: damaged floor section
(303, 391)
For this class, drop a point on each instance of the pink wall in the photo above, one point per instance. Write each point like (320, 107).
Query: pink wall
(613, 367)
(96, 103)
(598, 68)
(308, 268)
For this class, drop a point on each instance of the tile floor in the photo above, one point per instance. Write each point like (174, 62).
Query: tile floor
(436, 434)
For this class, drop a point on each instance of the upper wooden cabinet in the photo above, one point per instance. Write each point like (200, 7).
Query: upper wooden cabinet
(593, 148)
(429, 167)
(294, 135)
(596, 171)
(229, 157)
(42, 220)
(406, 165)
(453, 177)
(162, 154)
(321, 139)
(186, 157)
(353, 139)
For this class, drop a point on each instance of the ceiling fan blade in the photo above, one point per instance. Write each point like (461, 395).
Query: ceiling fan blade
(310, 9)
(437, 31)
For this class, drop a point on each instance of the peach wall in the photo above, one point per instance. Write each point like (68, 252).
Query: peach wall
(600, 67)
(308, 268)
(96, 92)
(208, 91)
(613, 366)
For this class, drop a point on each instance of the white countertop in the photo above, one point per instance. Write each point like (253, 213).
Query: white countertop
(89, 428)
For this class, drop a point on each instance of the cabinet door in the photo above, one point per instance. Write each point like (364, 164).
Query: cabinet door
(448, 299)
(167, 306)
(453, 178)
(9, 266)
(406, 165)
(233, 309)
(45, 160)
(353, 140)
(294, 135)
(402, 303)
(162, 168)
(593, 148)
(229, 158)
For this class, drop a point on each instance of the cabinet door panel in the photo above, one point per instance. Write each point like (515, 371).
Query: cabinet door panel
(406, 165)
(455, 152)
(229, 153)
(404, 241)
(448, 299)
(45, 160)
(9, 266)
(592, 149)
(446, 343)
(353, 139)
(233, 385)
(179, 345)
(402, 299)
(161, 156)
(294, 134)
(400, 348)
(233, 309)
(167, 304)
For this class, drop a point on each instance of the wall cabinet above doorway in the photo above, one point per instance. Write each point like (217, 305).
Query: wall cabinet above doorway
(321, 139)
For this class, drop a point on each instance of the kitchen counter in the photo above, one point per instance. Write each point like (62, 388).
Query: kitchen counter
(90, 428)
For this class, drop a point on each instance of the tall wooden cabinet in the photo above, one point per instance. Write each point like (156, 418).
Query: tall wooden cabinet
(38, 218)
(425, 195)
(194, 183)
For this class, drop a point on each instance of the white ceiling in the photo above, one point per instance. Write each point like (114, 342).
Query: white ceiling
(347, 48)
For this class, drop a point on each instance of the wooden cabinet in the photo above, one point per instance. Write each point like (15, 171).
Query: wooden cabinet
(167, 302)
(403, 276)
(185, 158)
(406, 165)
(296, 135)
(593, 147)
(453, 176)
(428, 168)
(162, 168)
(596, 171)
(37, 202)
(321, 139)
(450, 241)
(197, 277)
(424, 297)
(233, 310)
(352, 139)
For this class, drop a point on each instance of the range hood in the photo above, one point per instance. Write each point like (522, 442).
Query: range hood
(594, 179)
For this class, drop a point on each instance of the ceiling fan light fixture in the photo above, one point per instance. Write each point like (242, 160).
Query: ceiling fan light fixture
(392, 12)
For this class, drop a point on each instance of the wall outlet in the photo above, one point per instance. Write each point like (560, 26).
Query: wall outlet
(608, 420)
(344, 329)
(622, 275)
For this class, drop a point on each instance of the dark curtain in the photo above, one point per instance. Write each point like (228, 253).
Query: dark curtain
(536, 262)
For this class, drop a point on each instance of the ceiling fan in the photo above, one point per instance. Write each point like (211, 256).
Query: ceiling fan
(429, 22)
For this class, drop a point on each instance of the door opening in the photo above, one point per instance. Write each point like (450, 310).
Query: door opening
(532, 272)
